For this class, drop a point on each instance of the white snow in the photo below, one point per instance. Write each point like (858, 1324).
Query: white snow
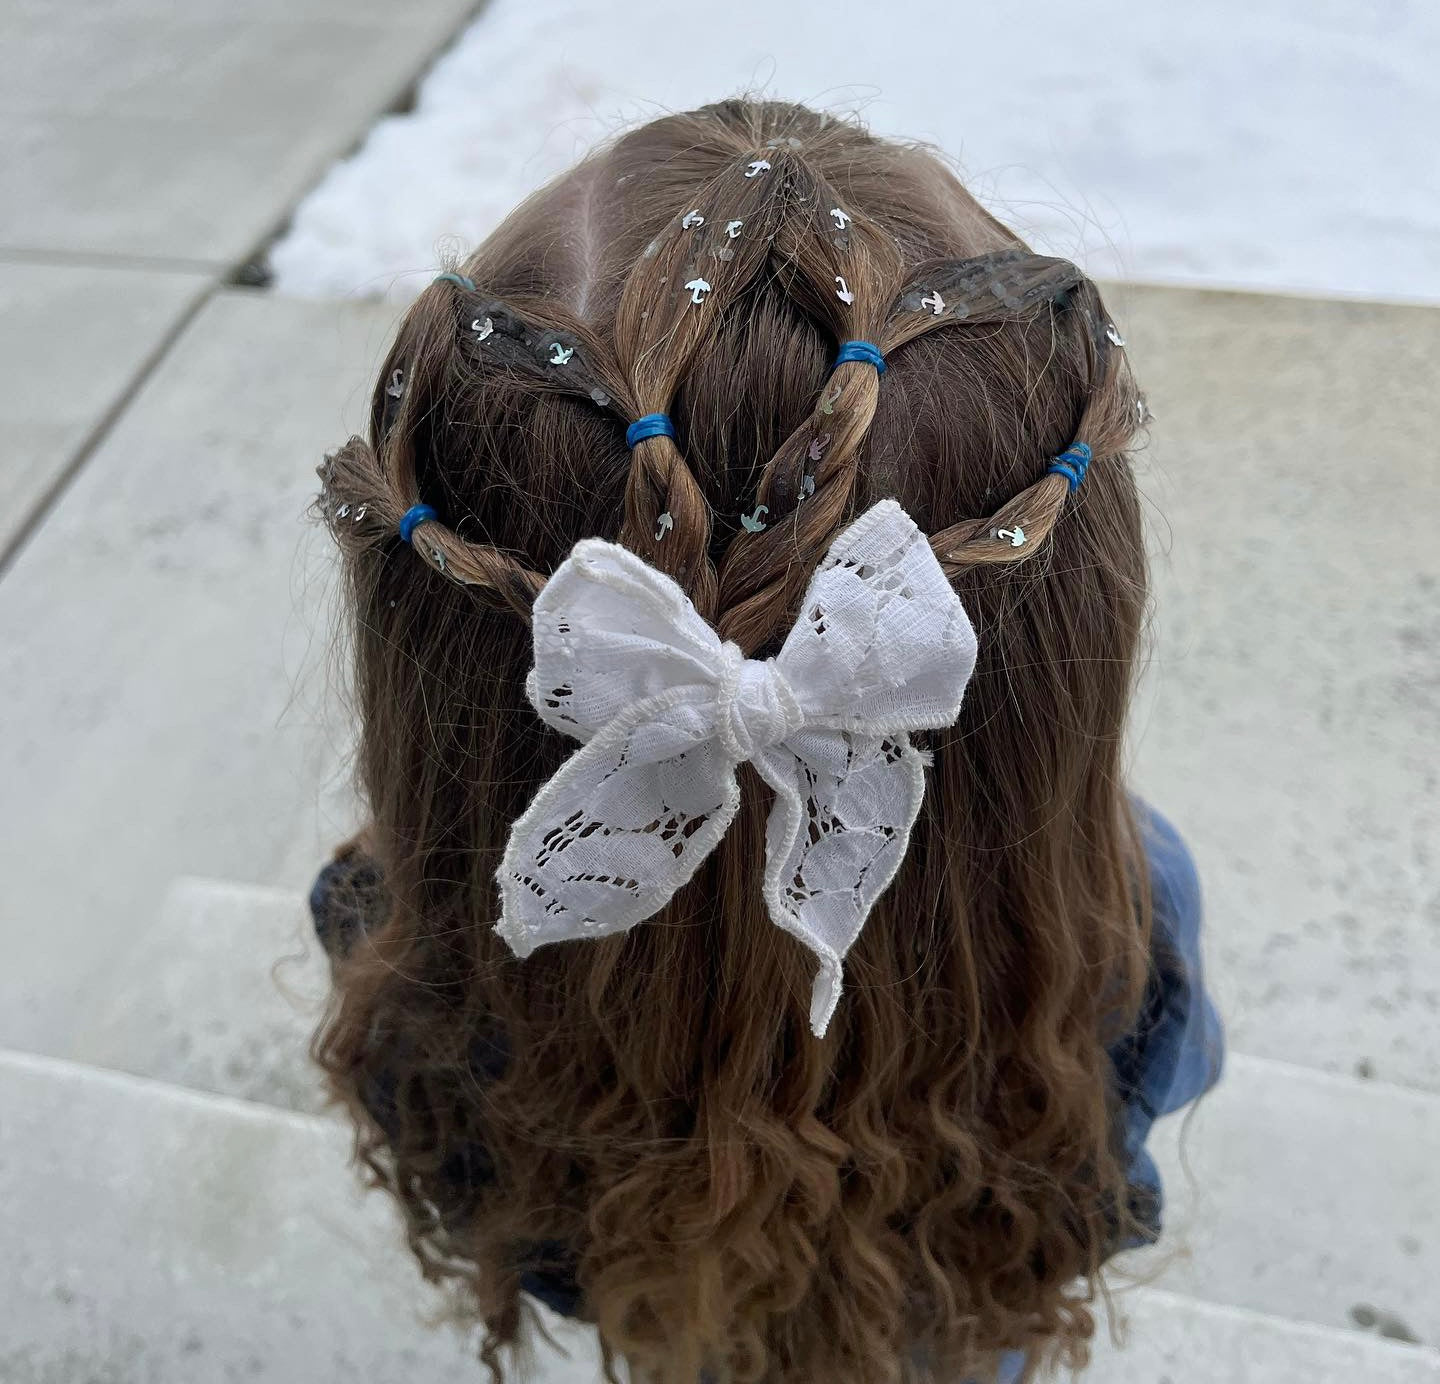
(1278, 144)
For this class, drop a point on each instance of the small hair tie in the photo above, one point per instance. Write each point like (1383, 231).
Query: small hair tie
(651, 425)
(467, 284)
(864, 351)
(1072, 463)
(415, 515)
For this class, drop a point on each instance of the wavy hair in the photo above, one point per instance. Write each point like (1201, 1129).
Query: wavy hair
(938, 1180)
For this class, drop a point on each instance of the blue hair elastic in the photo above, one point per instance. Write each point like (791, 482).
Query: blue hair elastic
(467, 284)
(416, 514)
(651, 425)
(1072, 463)
(863, 351)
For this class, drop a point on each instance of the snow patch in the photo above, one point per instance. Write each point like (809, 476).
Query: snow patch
(1274, 145)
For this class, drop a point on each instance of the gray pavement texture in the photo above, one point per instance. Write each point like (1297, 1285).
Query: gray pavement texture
(186, 132)
(74, 339)
(153, 1235)
(1253, 1178)
(210, 1239)
(221, 991)
(1303, 1195)
(1293, 705)
(165, 637)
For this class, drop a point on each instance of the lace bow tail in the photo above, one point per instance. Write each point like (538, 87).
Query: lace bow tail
(845, 804)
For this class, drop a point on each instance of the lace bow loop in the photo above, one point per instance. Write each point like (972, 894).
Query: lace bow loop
(666, 711)
(629, 629)
(882, 642)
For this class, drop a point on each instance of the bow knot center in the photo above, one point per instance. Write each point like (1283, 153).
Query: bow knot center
(755, 706)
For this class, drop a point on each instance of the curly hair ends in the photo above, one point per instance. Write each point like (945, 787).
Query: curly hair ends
(938, 1180)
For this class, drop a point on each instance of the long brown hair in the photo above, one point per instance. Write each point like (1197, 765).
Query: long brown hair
(936, 1180)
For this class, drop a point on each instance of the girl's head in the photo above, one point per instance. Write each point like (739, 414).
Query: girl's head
(937, 1179)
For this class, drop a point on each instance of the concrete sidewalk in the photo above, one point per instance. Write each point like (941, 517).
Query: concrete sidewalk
(150, 150)
(1293, 699)
(185, 133)
(213, 1239)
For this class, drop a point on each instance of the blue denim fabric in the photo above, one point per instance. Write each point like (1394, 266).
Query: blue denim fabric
(1173, 1054)
(1011, 1367)
(1177, 1050)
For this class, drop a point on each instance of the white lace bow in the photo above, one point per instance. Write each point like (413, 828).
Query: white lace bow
(666, 711)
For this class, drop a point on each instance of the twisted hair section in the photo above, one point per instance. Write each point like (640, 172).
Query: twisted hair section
(688, 278)
(1009, 287)
(454, 336)
(841, 272)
